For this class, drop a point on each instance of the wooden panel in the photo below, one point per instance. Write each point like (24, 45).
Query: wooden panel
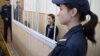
(42, 23)
(27, 45)
(2, 2)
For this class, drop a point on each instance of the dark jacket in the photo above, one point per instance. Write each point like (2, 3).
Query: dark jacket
(50, 32)
(74, 43)
(6, 12)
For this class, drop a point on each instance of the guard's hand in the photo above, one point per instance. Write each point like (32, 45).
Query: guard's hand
(6, 19)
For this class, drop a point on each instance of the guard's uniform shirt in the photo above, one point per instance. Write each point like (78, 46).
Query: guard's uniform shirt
(74, 43)
(6, 13)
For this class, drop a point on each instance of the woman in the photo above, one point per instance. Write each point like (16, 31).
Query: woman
(50, 28)
(72, 13)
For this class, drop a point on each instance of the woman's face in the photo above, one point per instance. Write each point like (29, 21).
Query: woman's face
(7, 2)
(50, 20)
(64, 15)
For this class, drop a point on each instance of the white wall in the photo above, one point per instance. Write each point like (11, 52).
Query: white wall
(95, 7)
(29, 5)
(13, 2)
(43, 6)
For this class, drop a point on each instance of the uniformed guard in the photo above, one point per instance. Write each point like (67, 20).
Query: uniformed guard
(72, 13)
(6, 16)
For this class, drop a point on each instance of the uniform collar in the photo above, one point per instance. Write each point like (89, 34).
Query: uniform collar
(74, 30)
(67, 36)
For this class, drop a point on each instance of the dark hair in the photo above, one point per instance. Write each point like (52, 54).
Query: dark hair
(89, 27)
(52, 16)
(17, 1)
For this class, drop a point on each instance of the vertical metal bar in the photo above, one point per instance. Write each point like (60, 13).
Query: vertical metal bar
(55, 25)
(45, 19)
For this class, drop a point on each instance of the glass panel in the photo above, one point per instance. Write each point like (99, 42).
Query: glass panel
(17, 10)
(42, 16)
(47, 19)
(36, 15)
(26, 13)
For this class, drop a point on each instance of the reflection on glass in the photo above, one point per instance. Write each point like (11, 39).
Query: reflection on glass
(17, 12)
(51, 32)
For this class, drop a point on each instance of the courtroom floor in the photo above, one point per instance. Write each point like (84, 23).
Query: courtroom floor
(11, 49)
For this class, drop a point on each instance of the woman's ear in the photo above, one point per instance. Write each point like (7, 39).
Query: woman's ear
(73, 12)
